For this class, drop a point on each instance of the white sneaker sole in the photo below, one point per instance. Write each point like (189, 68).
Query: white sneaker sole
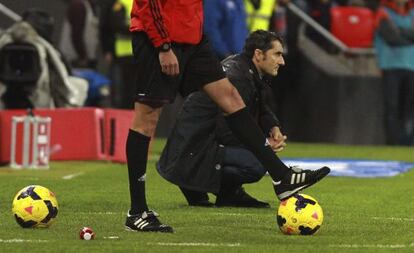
(287, 194)
(146, 231)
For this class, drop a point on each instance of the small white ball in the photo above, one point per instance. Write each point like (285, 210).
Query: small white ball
(87, 236)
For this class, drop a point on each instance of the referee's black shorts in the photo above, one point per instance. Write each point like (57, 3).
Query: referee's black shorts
(198, 67)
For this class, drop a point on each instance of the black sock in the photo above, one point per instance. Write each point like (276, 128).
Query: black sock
(137, 153)
(248, 132)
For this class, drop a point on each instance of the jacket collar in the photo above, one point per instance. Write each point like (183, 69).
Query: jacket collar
(258, 79)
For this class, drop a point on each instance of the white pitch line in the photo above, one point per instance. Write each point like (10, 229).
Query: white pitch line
(17, 240)
(393, 218)
(233, 214)
(100, 213)
(70, 176)
(111, 237)
(382, 246)
(196, 244)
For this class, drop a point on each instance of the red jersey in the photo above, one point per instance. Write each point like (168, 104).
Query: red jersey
(168, 20)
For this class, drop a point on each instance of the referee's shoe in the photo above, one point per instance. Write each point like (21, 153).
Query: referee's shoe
(298, 179)
(146, 222)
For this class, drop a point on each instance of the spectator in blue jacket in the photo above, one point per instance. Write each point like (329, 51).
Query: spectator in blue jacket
(394, 44)
(225, 26)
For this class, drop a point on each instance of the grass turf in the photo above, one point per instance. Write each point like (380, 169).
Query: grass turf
(361, 215)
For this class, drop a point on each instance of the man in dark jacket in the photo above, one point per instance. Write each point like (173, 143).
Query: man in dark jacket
(202, 154)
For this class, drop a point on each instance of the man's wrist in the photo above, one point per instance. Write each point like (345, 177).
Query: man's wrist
(165, 47)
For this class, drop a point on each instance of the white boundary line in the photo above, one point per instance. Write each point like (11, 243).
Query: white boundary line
(70, 176)
(232, 214)
(111, 237)
(216, 213)
(101, 213)
(240, 214)
(393, 218)
(382, 246)
(17, 240)
(195, 244)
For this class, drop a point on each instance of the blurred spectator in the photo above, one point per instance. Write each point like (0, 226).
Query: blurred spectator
(79, 38)
(116, 45)
(372, 4)
(225, 25)
(259, 13)
(32, 72)
(106, 38)
(278, 20)
(320, 11)
(394, 44)
(286, 23)
(359, 3)
(41, 21)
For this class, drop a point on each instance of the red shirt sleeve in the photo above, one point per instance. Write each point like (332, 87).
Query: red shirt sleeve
(152, 17)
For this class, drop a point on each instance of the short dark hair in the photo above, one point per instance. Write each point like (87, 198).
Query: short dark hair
(260, 39)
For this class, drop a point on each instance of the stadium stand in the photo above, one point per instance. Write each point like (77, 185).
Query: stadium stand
(353, 25)
(339, 97)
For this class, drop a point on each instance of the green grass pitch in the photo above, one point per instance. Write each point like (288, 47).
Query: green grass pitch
(360, 215)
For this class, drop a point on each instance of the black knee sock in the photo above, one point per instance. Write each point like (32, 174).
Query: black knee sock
(137, 153)
(249, 133)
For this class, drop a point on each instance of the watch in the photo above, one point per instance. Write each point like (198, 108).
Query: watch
(165, 47)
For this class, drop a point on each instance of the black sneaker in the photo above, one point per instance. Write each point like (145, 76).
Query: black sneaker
(146, 222)
(239, 198)
(196, 198)
(297, 180)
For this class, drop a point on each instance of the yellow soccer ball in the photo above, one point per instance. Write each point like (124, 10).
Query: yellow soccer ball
(35, 206)
(299, 215)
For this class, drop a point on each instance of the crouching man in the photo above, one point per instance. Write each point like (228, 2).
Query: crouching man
(202, 155)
